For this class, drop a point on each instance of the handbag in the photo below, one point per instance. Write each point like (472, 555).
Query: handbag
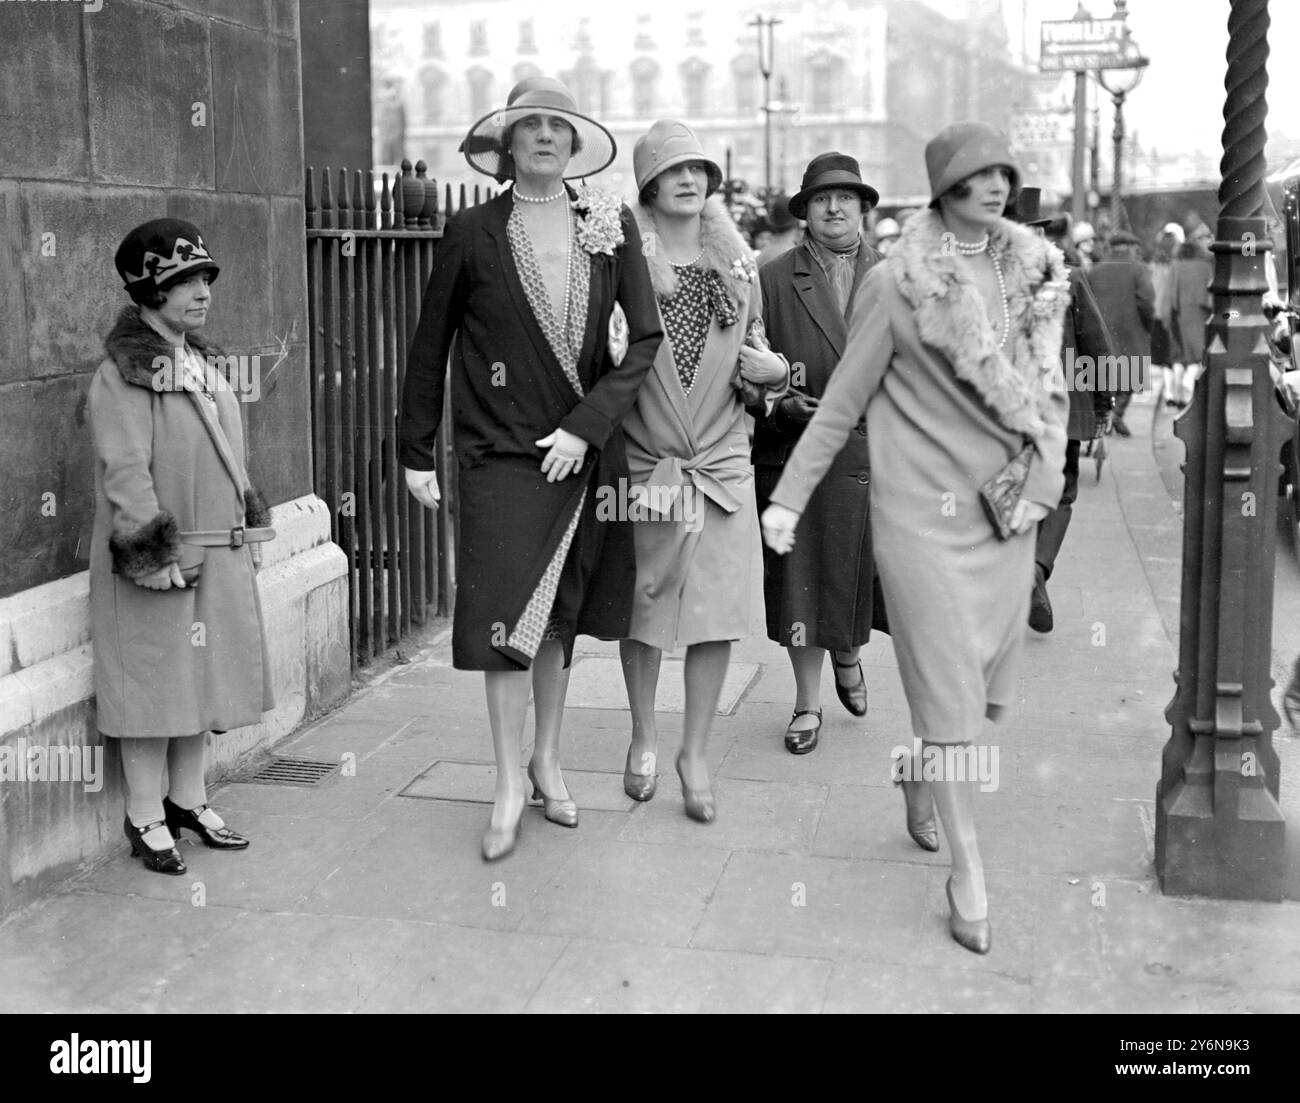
(1000, 494)
(751, 394)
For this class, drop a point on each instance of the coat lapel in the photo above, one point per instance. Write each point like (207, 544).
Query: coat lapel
(207, 411)
(815, 294)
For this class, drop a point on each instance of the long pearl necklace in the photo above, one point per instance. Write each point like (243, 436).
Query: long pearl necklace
(1002, 294)
(537, 199)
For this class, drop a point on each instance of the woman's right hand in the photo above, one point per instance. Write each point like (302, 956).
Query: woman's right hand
(423, 485)
(164, 578)
(778, 524)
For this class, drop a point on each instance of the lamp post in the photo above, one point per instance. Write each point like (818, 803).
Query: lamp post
(765, 44)
(1220, 830)
(1119, 83)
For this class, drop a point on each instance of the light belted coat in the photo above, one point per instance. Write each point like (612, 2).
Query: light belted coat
(694, 559)
(171, 662)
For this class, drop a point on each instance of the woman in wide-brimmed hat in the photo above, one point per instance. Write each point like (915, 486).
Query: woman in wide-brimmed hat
(954, 354)
(175, 614)
(523, 288)
(688, 452)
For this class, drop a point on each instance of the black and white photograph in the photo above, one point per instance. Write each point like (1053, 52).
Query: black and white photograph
(765, 508)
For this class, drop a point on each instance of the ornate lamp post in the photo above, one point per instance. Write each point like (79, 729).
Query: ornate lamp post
(1219, 828)
(765, 44)
(1119, 83)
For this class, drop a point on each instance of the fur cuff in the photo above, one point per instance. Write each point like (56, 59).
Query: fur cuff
(152, 546)
(257, 514)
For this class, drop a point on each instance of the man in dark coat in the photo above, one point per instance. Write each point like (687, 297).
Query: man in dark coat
(819, 597)
(1127, 300)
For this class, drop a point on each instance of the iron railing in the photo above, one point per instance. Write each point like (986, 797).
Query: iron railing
(369, 253)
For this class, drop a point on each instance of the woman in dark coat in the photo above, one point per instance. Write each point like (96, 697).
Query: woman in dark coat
(175, 615)
(954, 355)
(819, 597)
(527, 282)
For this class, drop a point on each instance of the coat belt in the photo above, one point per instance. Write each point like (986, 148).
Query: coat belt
(227, 538)
(709, 474)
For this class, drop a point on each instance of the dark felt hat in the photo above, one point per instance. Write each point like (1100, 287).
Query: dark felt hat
(779, 218)
(1123, 237)
(157, 254)
(1026, 208)
(962, 150)
(831, 170)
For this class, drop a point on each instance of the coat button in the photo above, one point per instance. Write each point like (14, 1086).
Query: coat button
(864, 477)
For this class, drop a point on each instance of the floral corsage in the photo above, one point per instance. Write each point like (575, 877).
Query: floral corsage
(744, 270)
(600, 224)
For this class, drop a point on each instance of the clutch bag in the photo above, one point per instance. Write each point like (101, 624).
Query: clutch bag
(618, 335)
(751, 394)
(1001, 493)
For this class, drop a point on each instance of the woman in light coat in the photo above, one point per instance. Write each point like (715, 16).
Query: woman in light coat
(175, 615)
(954, 354)
(688, 453)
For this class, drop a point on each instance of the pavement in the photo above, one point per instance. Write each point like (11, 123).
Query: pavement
(366, 892)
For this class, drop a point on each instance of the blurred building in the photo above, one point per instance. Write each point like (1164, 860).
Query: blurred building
(873, 78)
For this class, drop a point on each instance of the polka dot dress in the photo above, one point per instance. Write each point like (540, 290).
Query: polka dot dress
(686, 319)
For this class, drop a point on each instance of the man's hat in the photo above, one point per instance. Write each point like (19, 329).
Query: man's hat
(157, 254)
(484, 145)
(1026, 208)
(831, 170)
(779, 217)
(1123, 237)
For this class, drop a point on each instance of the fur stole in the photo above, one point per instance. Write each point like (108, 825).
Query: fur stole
(725, 253)
(951, 317)
(132, 345)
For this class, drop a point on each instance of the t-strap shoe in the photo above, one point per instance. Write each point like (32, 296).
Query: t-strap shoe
(802, 741)
(853, 698)
(160, 861)
(217, 838)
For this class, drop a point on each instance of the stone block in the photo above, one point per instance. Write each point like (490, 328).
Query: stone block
(47, 493)
(325, 641)
(258, 112)
(13, 243)
(147, 69)
(247, 13)
(43, 90)
(284, 17)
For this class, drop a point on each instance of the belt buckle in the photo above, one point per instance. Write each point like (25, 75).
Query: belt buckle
(237, 537)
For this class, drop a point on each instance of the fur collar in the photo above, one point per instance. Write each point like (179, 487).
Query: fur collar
(133, 343)
(951, 317)
(723, 249)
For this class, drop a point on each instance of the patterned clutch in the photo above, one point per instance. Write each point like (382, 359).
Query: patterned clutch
(751, 394)
(1001, 493)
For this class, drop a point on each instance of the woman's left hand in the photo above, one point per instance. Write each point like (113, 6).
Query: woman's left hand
(761, 366)
(565, 457)
(1027, 514)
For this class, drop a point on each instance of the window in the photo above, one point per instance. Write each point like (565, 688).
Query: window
(588, 85)
(527, 40)
(478, 44)
(480, 92)
(643, 41)
(432, 84)
(433, 40)
(823, 82)
(645, 78)
(744, 76)
(524, 70)
(695, 74)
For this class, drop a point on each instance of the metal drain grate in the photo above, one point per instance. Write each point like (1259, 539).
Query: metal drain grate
(293, 771)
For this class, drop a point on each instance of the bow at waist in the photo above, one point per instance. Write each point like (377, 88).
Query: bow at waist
(720, 478)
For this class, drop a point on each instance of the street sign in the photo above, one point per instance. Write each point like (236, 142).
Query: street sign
(1035, 129)
(1072, 45)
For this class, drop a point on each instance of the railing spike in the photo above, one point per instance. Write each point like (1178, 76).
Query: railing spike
(385, 206)
(309, 200)
(345, 216)
(326, 200)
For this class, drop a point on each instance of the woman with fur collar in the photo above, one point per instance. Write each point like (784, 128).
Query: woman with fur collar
(176, 619)
(688, 453)
(954, 354)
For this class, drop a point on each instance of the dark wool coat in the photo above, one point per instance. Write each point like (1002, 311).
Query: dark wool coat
(508, 391)
(821, 593)
(1085, 333)
(947, 408)
(1191, 302)
(181, 661)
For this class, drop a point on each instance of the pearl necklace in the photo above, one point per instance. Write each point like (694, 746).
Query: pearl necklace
(1002, 293)
(969, 249)
(536, 199)
(698, 257)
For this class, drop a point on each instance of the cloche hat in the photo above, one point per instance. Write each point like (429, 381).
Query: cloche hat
(666, 144)
(484, 145)
(831, 170)
(962, 150)
(157, 254)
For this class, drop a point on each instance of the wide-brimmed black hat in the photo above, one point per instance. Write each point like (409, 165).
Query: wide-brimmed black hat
(1026, 208)
(484, 145)
(157, 254)
(831, 170)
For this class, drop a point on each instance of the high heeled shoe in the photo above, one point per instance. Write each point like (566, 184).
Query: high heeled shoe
(803, 740)
(699, 803)
(160, 861)
(853, 698)
(563, 812)
(217, 838)
(500, 841)
(640, 786)
(920, 825)
(974, 934)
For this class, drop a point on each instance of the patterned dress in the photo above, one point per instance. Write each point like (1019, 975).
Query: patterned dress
(563, 330)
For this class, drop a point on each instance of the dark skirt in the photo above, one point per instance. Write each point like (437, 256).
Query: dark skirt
(1162, 347)
(823, 593)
